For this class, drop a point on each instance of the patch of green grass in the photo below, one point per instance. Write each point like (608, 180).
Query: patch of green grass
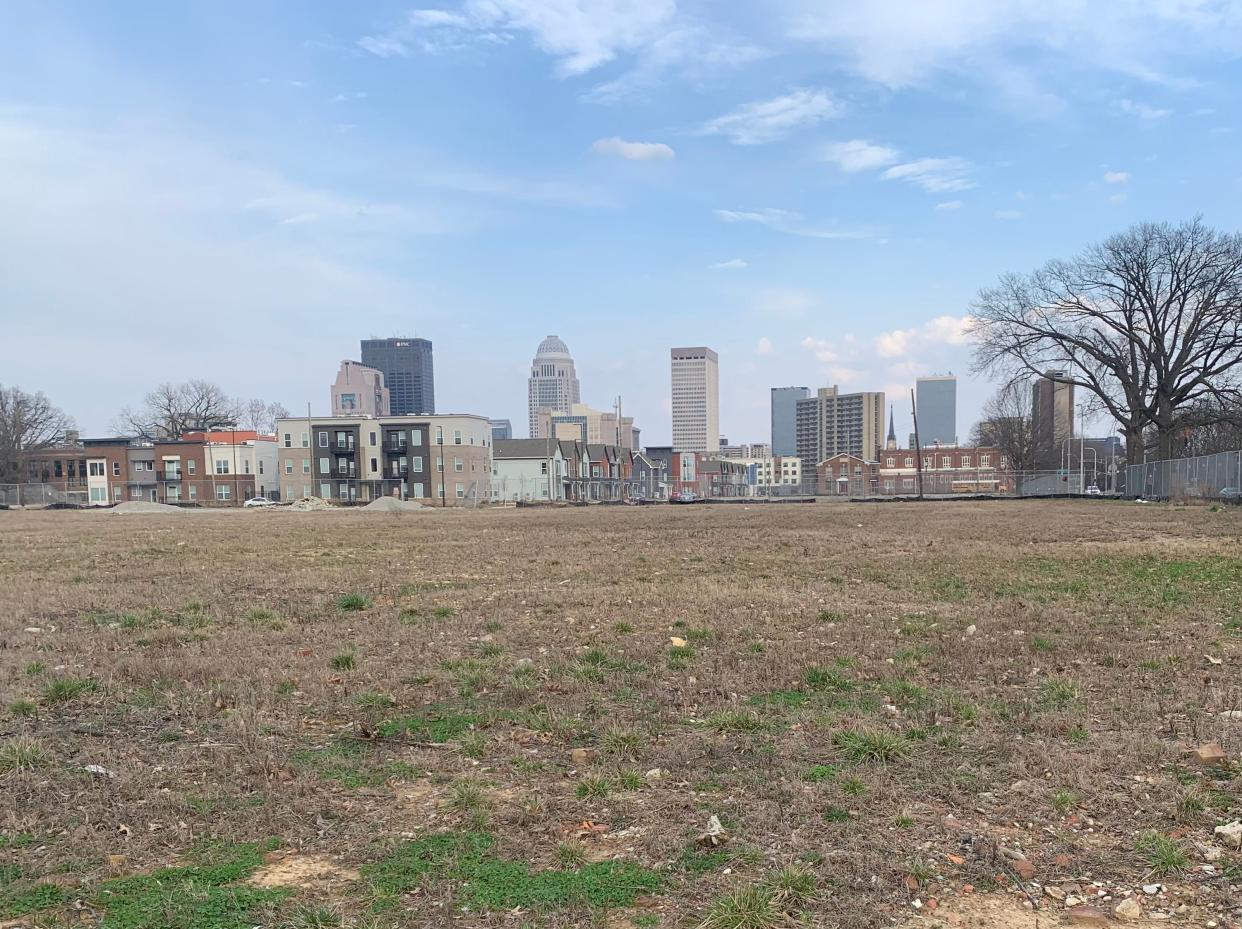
(789, 699)
(1164, 855)
(905, 693)
(695, 860)
(751, 907)
(263, 618)
(373, 700)
(792, 887)
(434, 724)
(14, 903)
(311, 916)
(64, 689)
(870, 746)
(822, 678)
(349, 764)
(679, 657)
(344, 661)
(821, 772)
(593, 787)
(831, 616)
(22, 708)
(1057, 693)
(353, 603)
(630, 779)
(442, 612)
(623, 628)
(621, 743)
(35, 668)
(485, 882)
(16, 839)
(1063, 801)
(734, 721)
(22, 754)
(286, 687)
(853, 786)
(836, 814)
(1233, 626)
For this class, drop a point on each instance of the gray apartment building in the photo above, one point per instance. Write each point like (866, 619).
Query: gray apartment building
(833, 423)
(408, 373)
(935, 399)
(785, 419)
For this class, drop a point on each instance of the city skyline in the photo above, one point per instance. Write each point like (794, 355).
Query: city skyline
(818, 196)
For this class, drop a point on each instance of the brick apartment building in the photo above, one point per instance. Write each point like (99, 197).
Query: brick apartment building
(443, 459)
(847, 475)
(946, 470)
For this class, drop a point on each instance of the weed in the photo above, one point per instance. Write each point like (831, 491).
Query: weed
(1164, 855)
(904, 820)
(473, 745)
(434, 724)
(866, 746)
(1057, 693)
(593, 786)
(621, 743)
(491, 650)
(345, 661)
(835, 814)
(920, 870)
(35, 668)
(263, 618)
(1040, 643)
(623, 628)
(570, 855)
(1078, 735)
(827, 679)
(750, 907)
(630, 779)
(310, 916)
(373, 700)
(735, 721)
(22, 708)
(21, 755)
(679, 657)
(353, 603)
(699, 861)
(792, 887)
(831, 616)
(1063, 801)
(64, 689)
(853, 786)
(442, 612)
(284, 688)
(1190, 803)
(821, 772)
(468, 796)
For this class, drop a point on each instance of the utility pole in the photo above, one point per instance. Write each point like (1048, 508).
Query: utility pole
(918, 444)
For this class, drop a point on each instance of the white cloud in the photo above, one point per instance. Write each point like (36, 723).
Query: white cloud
(949, 205)
(1116, 177)
(687, 50)
(764, 346)
(1142, 110)
(859, 155)
(769, 120)
(730, 265)
(788, 222)
(936, 175)
(633, 151)
(300, 219)
(943, 330)
(1008, 214)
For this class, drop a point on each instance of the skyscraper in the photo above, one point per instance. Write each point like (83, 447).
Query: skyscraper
(784, 418)
(832, 422)
(553, 383)
(1052, 418)
(936, 403)
(408, 373)
(696, 399)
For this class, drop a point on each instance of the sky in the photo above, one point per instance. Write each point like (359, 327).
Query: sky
(817, 190)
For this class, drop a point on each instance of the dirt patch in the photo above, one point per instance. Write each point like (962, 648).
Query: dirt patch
(144, 506)
(982, 911)
(306, 871)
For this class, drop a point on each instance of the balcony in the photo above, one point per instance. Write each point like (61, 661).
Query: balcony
(169, 475)
(351, 471)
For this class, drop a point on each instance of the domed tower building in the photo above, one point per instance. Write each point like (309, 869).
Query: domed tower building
(553, 382)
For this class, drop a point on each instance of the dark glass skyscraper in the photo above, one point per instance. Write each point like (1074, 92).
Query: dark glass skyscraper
(408, 373)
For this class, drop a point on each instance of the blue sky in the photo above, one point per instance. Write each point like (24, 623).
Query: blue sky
(817, 190)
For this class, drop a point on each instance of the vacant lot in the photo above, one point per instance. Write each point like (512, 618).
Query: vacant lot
(847, 715)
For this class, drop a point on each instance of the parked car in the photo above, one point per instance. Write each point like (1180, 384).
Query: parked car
(1094, 491)
(1231, 494)
(259, 501)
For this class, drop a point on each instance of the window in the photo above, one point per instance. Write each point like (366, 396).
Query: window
(174, 494)
(457, 466)
(965, 461)
(116, 469)
(909, 483)
(416, 436)
(457, 437)
(306, 443)
(1004, 463)
(325, 490)
(543, 467)
(416, 490)
(342, 490)
(97, 469)
(461, 491)
(323, 466)
(440, 440)
(985, 460)
(222, 491)
(306, 470)
(116, 494)
(890, 462)
(288, 465)
(416, 464)
(260, 467)
(323, 440)
(288, 440)
(135, 492)
(909, 462)
(440, 465)
(222, 466)
(306, 490)
(374, 461)
(372, 439)
(349, 401)
(57, 468)
(245, 466)
(191, 465)
(946, 461)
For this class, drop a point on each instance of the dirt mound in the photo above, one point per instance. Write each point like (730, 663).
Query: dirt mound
(144, 506)
(310, 503)
(393, 505)
(302, 871)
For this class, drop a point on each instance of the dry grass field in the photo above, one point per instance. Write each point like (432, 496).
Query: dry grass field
(741, 717)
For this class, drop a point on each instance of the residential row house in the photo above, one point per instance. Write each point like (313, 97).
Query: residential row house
(439, 459)
(775, 475)
(698, 473)
(567, 470)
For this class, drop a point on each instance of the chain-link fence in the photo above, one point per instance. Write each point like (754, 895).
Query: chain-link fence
(40, 495)
(1210, 477)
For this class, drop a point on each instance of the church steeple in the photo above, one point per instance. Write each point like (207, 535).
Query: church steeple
(892, 430)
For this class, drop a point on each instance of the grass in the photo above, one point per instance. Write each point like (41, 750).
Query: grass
(753, 907)
(21, 755)
(837, 747)
(344, 661)
(353, 603)
(1164, 854)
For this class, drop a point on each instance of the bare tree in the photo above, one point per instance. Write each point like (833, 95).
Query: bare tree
(1148, 323)
(28, 423)
(173, 409)
(260, 415)
(1008, 426)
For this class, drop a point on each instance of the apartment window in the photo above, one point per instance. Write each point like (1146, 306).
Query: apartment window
(97, 469)
(889, 462)
(288, 465)
(440, 438)
(191, 465)
(457, 466)
(245, 466)
(1004, 461)
(543, 467)
(909, 462)
(116, 469)
(965, 461)
(457, 437)
(461, 491)
(909, 483)
(342, 490)
(193, 492)
(173, 494)
(325, 490)
(440, 465)
(260, 468)
(116, 494)
(135, 492)
(222, 466)
(416, 436)
(306, 467)
(288, 440)
(222, 491)
(985, 460)
(374, 461)
(372, 438)
(306, 442)
(349, 401)
(306, 490)
(440, 492)
(889, 485)
(946, 461)
(416, 464)
(858, 469)
(323, 466)
(323, 440)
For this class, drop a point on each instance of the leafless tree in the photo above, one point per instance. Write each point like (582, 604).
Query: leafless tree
(1007, 425)
(260, 415)
(1148, 323)
(173, 409)
(1207, 428)
(28, 423)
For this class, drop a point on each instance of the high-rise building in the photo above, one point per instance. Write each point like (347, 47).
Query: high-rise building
(591, 426)
(833, 423)
(785, 417)
(1052, 417)
(359, 391)
(935, 400)
(696, 399)
(553, 383)
(408, 373)
(502, 429)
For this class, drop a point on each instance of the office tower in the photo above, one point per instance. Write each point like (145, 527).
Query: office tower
(696, 399)
(553, 383)
(785, 417)
(831, 423)
(1052, 417)
(502, 429)
(935, 399)
(359, 391)
(408, 374)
